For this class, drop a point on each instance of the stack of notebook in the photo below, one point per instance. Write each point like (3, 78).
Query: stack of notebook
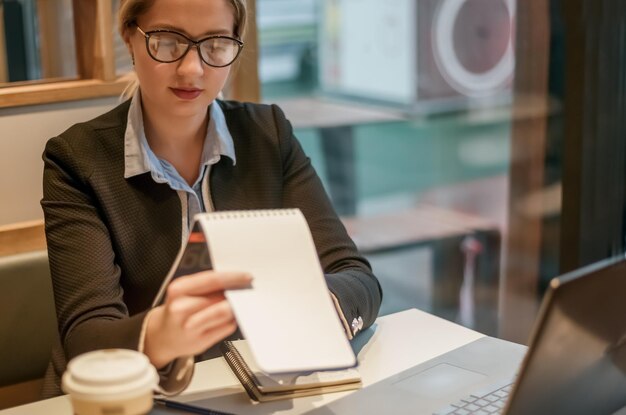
(263, 387)
(275, 247)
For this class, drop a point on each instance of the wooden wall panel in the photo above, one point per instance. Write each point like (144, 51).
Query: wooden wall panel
(22, 237)
(518, 297)
(93, 21)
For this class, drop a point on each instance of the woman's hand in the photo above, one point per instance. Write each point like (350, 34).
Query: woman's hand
(194, 317)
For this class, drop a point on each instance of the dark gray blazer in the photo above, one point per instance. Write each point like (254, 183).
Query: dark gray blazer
(112, 240)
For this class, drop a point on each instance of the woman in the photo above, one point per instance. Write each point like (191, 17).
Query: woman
(120, 190)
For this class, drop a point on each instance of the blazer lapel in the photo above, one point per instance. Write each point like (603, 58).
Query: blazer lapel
(255, 182)
(226, 191)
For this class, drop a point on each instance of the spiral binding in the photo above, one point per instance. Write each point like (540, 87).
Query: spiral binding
(243, 214)
(241, 370)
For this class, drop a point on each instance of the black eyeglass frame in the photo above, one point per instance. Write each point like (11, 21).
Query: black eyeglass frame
(190, 43)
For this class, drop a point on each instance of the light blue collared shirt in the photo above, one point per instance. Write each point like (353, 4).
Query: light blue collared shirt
(139, 157)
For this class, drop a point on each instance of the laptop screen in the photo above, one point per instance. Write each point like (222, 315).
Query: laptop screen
(576, 363)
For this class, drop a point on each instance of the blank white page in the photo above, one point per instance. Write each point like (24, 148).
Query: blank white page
(288, 316)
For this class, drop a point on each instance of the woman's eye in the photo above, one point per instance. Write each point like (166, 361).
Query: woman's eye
(216, 47)
(167, 43)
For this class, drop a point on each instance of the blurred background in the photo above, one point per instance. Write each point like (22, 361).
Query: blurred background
(405, 110)
(473, 148)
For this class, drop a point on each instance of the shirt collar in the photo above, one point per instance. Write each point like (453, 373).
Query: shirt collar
(139, 158)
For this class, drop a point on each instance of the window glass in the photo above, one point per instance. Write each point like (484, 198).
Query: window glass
(38, 41)
(438, 128)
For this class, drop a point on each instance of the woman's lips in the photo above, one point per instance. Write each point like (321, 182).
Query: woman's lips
(186, 94)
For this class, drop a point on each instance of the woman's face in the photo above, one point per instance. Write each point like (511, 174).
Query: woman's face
(186, 87)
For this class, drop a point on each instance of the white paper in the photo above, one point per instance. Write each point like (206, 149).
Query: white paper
(288, 316)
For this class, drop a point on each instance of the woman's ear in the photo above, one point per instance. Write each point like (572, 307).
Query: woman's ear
(126, 38)
(129, 46)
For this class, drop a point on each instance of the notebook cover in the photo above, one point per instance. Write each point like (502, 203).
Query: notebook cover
(341, 381)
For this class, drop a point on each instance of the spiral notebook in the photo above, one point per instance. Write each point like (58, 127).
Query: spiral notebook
(287, 315)
(264, 387)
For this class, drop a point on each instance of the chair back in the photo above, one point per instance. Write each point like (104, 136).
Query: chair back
(28, 323)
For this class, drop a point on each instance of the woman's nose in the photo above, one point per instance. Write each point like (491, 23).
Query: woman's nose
(191, 63)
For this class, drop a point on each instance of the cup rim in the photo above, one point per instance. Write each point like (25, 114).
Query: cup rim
(134, 383)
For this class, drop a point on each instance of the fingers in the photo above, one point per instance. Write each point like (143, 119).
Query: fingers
(207, 282)
(210, 317)
(185, 306)
(170, 335)
(196, 314)
(209, 326)
(217, 334)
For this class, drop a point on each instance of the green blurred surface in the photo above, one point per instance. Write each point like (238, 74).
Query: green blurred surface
(413, 156)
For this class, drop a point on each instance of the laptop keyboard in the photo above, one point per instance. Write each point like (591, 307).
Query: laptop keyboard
(480, 403)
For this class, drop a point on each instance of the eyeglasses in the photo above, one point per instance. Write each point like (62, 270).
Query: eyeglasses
(168, 46)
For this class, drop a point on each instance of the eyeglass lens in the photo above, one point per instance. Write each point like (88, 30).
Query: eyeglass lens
(169, 47)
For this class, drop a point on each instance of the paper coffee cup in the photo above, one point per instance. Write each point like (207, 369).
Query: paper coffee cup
(112, 381)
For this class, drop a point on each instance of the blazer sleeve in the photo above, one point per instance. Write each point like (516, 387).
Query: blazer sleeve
(348, 274)
(86, 280)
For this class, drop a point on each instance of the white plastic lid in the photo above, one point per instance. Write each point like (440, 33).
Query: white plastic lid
(109, 374)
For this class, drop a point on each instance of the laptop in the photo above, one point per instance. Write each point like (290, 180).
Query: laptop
(575, 362)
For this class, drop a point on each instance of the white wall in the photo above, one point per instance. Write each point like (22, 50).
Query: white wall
(23, 134)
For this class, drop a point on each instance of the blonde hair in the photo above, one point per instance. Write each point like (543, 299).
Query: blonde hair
(130, 10)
